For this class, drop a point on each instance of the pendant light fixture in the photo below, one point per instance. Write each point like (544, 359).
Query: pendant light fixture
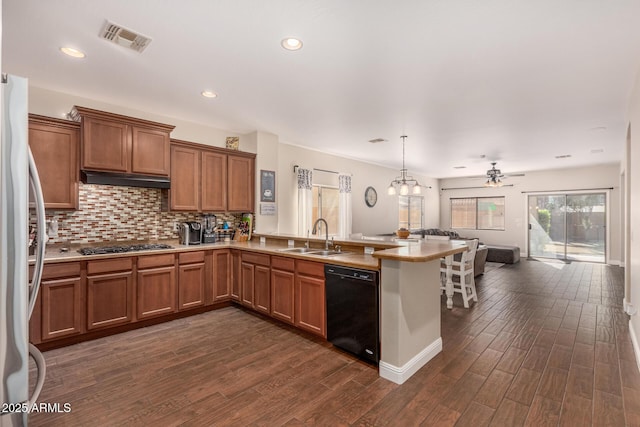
(493, 177)
(404, 183)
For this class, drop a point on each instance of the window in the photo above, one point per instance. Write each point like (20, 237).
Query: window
(478, 213)
(326, 204)
(410, 212)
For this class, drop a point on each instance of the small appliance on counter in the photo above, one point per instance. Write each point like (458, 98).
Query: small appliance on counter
(208, 232)
(190, 233)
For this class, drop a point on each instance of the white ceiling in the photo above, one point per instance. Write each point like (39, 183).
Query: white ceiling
(516, 81)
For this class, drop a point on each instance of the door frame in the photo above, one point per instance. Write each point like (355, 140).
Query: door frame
(607, 216)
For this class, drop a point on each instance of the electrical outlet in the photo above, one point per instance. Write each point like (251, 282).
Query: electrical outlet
(176, 226)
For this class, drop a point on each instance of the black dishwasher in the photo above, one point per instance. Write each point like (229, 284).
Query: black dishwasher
(352, 310)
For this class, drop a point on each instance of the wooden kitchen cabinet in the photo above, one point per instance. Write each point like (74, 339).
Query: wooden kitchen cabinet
(55, 147)
(241, 178)
(310, 307)
(236, 284)
(110, 296)
(114, 143)
(156, 286)
(59, 309)
(255, 274)
(185, 172)
(191, 280)
(221, 275)
(214, 182)
(209, 179)
(282, 289)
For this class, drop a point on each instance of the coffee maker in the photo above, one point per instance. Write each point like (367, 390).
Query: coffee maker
(209, 225)
(190, 233)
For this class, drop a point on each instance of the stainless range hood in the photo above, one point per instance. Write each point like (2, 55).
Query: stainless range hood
(110, 178)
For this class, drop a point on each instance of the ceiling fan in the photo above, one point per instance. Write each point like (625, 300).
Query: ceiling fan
(493, 176)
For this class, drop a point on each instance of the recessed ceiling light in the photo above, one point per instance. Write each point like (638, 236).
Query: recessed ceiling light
(459, 167)
(291, 43)
(598, 128)
(74, 53)
(564, 156)
(209, 94)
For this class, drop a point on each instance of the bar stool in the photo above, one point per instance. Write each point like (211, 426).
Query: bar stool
(463, 269)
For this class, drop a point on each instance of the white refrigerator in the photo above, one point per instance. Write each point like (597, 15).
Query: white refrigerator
(18, 176)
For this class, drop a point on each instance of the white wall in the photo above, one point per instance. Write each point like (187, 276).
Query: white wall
(515, 233)
(382, 218)
(632, 269)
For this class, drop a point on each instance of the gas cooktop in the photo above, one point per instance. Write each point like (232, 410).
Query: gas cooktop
(124, 248)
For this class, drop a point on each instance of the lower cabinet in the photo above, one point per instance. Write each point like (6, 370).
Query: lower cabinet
(236, 280)
(156, 287)
(255, 275)
(191, 280)
(221, 275)
(282, 289)
(110, 297)
(311, 314)
(60, 302)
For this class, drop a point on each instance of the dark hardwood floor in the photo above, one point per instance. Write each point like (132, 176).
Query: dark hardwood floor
(546, 344)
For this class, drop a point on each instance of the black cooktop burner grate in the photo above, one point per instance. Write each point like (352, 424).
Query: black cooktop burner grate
(124, 248)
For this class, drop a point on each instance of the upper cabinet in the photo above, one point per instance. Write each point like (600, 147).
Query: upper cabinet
(55, 146)
(209, 179)
(240, 184)
(115, 143)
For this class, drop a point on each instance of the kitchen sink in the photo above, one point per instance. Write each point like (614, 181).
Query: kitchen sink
(298, 250)
(327, 253)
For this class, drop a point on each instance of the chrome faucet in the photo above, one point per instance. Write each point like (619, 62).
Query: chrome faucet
(326, 232)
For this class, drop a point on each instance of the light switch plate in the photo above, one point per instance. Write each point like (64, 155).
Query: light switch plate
(368, 250)
(263, 240)
(290, 243)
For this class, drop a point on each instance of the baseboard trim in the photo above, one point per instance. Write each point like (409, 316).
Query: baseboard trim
(634, 341)
(400, 374)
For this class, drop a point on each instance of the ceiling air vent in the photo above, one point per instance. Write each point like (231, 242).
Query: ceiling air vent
(376, 140)
(124, 37)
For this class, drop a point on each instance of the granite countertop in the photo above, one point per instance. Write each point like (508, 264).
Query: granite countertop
(53, 253)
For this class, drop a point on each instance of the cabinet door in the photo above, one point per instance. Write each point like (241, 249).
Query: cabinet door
(191, 285)
(221, 276)
(282, 293)
(262, 289)
(109, 300)
(236, 288)
(185, 173)
(247, 281)
(149, 151)
(214, 182)
(55, 150)
(156, 292)
(310, 305)
(240, 184)
(105, 145)
(61, 308)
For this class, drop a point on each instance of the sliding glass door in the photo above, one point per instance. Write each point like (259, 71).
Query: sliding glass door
(568, 226)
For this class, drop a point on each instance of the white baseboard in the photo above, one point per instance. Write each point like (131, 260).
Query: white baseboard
(634, 341)
(400, 374)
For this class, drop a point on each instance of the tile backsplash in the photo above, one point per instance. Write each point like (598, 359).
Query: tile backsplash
(112, 213)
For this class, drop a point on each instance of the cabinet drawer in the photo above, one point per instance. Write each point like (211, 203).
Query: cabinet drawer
(281, 263)
(253, 258)
(309, 268)
(109, 265)
(55, 271)
(151, 261)
(190, 257)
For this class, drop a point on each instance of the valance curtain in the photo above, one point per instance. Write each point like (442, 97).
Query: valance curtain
(344, 222)
(305, 202)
